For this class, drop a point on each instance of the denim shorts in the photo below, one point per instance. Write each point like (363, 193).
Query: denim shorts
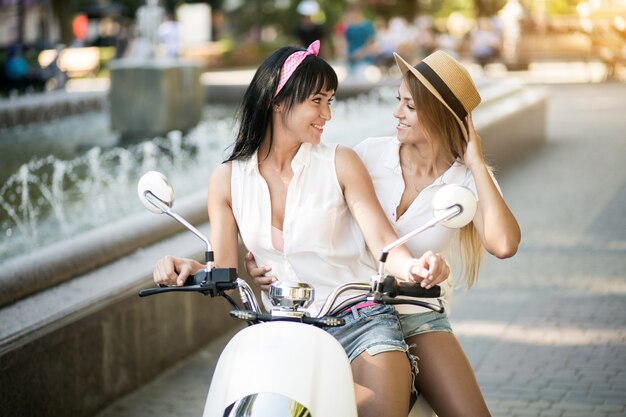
(374, 329)
(419, 323)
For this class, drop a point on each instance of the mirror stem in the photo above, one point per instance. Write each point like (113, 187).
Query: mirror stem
(448, 214)
(154, 200)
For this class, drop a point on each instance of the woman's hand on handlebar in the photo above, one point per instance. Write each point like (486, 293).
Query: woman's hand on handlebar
(429, 270)
(257, 273)
(174, 271)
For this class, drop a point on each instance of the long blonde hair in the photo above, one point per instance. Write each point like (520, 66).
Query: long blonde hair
(440, 127)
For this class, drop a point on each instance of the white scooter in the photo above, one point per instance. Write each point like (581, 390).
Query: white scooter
(284, 364)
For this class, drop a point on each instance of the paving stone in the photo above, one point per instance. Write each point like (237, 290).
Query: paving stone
(551, 413)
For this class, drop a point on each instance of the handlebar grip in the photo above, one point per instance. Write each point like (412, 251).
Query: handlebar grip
(393, 287)
(207, 282)
(149, 291)
(413, 289)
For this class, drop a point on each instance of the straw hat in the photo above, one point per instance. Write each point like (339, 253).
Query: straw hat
(448, 80)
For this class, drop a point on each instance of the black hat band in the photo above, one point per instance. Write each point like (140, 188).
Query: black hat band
(447, 94)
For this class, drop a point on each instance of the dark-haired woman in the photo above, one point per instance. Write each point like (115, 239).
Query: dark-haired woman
(309, 211)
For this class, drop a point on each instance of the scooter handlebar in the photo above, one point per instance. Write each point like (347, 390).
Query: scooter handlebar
(211, 283)
(393, 287)
(390, 288)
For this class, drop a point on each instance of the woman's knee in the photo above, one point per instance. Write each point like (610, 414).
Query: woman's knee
(445, 376)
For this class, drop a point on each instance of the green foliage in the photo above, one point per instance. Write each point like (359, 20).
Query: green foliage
(561, 7)
(443, 8)
(488, 7)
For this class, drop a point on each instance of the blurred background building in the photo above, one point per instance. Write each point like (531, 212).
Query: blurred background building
(231, 33)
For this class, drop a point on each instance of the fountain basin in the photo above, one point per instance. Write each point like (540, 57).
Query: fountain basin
(164, 95)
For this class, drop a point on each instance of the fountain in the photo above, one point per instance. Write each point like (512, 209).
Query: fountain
(37, 200)
(51, 199)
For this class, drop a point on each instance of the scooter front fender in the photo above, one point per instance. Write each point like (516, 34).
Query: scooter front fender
(293, 360)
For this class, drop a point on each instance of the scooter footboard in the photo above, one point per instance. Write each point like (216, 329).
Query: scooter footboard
(297, 361)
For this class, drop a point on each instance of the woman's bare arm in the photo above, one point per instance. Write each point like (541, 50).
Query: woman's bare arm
(362, 201)
(494, 221)
(223, 235)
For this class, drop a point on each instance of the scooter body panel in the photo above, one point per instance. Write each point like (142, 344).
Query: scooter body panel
(298, 361)
(421, 409)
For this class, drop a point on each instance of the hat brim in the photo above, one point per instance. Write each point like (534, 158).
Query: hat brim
(405, 67)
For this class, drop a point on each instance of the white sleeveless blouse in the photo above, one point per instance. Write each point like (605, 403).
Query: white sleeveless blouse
(323, 245)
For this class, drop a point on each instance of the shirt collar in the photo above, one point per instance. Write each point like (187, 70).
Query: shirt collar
(302, 157)
(391, 155)
(300, 160)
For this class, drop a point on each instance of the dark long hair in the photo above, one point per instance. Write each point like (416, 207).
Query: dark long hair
(255, 111)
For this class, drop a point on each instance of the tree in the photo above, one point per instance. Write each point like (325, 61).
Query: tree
(488, 7)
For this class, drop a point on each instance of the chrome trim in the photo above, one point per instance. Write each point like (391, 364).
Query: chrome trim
(332, 297)
(280, 312)
(348, 301)
(266, 404)
(247, 296)
(291, 294)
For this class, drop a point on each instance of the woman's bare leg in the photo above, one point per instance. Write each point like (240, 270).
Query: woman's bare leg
(382, 384)
(445, 377)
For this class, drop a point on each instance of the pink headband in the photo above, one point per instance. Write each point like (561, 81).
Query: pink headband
(293, 61)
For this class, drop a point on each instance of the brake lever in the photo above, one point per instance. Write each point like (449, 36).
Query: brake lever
(213, 282)
(164, 288)
(385, 299)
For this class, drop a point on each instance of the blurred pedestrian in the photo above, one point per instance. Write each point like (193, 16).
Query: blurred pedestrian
(15, 67)
(168, 35)
(386, 45)
(360, 40)
(484, 42)
(426, 36)
(308, 31)
(447, 42)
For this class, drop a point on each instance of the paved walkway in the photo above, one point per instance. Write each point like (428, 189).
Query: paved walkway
(545, 330)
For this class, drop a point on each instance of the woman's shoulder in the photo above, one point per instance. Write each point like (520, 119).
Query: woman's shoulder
(222, 172)
(345, 154)
(224, 168)
(219, 183)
